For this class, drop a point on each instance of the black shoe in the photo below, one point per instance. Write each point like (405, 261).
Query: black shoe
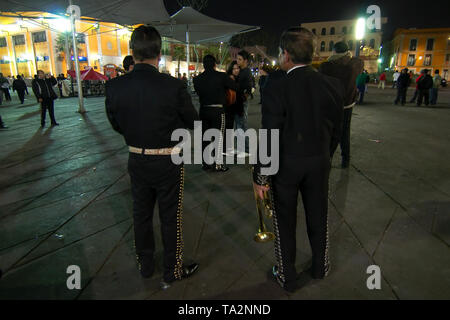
(221, 168)
(206, 167)
(55, 124)
(146, 266)
(187, 271)
(322, 274)
(288, 286)
(42, 125)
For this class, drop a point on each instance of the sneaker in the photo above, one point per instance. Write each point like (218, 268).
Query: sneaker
(55, 124)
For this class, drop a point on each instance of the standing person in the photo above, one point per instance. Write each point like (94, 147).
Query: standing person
(43, 90)
(244, 91)
(60, 79)
(434, 91)
(230, 109)
(146, 106)
(211, 88)
(343, 66)
(366, 90)
(306, 107)
(416, 92)
(20, 86)
(361, 85)
(403, 83)
(4, 85)
(128, 63)
(395, 78)
(382, 81)
(424, 86)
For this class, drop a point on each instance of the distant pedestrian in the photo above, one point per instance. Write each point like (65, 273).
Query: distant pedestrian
(434, 91)
(2, 125)
(20, 86)
(4, 85)
(403, 83)
(367, 81)
(416, 93)
(424, 86)
(382, 81)
(395, 78)
(361, 85)
(43, 90)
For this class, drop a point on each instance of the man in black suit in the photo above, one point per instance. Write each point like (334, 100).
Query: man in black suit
(43, 90)
(306, 107)
(146, 106)
(211, 88)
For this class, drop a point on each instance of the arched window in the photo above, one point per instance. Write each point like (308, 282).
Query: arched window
(324, 31)
(344, 30)
(350, 45)
(322, 46)
(332, 31)
(331, 46)
(372, 43)
(313, 31)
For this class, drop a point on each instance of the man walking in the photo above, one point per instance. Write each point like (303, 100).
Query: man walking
(395, 78)
(43, 90)
(424, 85)
(20, 86)
(343, 66)
(306, 107)
(146, 106)
(211, 88)
(382, 81)
(361, 81)
(403, 83)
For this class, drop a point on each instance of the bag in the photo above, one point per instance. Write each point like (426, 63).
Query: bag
(230, 97)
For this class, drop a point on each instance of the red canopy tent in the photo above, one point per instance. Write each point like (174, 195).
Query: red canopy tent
(88, 74)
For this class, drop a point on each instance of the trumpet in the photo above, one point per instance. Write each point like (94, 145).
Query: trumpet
(264, 208)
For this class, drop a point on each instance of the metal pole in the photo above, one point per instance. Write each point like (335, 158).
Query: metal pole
(68, 61)
(187, 53)
(77, 66)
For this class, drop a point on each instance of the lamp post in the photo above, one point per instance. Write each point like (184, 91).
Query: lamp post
(359, 35)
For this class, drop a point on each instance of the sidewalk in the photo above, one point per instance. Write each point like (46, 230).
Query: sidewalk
(65, 200)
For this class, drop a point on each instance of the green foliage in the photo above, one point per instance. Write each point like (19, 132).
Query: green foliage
(61, 42)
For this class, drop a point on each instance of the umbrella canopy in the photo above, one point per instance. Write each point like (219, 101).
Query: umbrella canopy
(125, 12)
(88, 74)
(201, 27)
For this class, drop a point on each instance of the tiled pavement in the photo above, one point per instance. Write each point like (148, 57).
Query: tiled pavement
(65, 200)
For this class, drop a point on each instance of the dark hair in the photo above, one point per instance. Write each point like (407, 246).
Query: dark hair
(127, 62)
(244, 54)
(299, 43)
(340, 47)
(230, 67)
(19, 77)
(436, 71)
(209, 62)
(145, 43)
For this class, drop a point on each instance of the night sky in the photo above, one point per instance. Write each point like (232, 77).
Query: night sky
(278, 15)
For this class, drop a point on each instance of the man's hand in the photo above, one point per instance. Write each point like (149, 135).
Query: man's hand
(40, 100)
(260, 190)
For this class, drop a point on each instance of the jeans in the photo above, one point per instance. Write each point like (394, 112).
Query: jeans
(361, 90)
(433, 95)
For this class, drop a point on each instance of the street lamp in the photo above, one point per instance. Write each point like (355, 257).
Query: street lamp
(360, 31)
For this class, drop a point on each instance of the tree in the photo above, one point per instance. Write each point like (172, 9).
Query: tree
(61, 44)
(179, 53)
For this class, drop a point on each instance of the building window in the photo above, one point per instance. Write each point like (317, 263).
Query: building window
(3, 43)
(18, 40)
(332, 31)
(314, 31)
(39, 36)
(344, 30)
(350, 45)
(322, 46)
(411, 60)
(324, 31)
(427, 60)
(372, 43)
(331, 46)
(430, 44)
(413, 45)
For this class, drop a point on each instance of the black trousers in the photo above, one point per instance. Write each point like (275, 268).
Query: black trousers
(212, 118)
(156, 178)
(7, 95)
(345, 136)
(416, 93)
(401, 95)
(424, 94)
(310, 177)
(47, 104)
(229, 124)
(21, 94)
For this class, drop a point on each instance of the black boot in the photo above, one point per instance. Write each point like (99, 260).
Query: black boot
(187, 271)
(146, 266)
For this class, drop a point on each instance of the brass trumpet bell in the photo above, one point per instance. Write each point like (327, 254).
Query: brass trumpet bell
(263, 207)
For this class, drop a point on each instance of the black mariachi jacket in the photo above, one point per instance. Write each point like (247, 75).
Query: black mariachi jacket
(211, 87)
(146, 106)
(307, 107)
(43, 88)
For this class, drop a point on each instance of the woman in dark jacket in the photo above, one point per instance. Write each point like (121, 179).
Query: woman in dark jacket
(20, 86)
